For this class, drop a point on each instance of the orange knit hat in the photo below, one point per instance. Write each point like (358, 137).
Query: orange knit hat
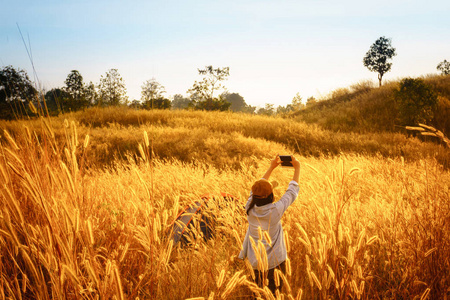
(262, 188)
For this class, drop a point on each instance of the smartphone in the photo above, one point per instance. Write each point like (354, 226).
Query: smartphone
(286, 160)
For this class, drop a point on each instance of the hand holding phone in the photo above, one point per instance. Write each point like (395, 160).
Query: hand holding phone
(286, 160)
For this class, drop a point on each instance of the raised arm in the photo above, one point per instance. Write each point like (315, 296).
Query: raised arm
(292, 192)
(273, 164)
(296, 165)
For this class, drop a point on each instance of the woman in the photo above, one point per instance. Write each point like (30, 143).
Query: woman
(265, 231)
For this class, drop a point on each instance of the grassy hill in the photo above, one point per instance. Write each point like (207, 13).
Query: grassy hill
(366, 108)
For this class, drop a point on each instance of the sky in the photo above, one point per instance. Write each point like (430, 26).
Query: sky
(274, 49)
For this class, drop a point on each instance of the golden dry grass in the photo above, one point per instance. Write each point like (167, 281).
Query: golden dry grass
(365, 108)
(363, 227)
(220, 139)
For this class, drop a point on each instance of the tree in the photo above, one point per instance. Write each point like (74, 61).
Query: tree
(57, 99)
(152, 90)
(76, 91)
(112, 90)
(90, 94)
(376, 59)
(237, 101)
(15, 89)
(249, 109)
(202, 93)
(74, 85)
(297, 103)
(136, 104)
(268, 110)
(444, 67)
(162, 103)
(219, 103)
(180, 102)
(284, 110)
(417, 101)
(15, 85)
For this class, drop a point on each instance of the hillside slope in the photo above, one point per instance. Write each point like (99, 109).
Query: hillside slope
(366, 108)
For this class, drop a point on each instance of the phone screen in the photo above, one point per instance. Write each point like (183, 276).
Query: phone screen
(286, 160)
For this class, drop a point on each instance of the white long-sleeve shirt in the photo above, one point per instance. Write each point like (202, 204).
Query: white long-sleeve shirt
(268, 217)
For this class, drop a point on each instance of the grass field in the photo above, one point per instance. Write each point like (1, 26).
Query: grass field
(88, 201)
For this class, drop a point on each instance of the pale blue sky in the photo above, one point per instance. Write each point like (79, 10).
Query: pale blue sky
(274, 48)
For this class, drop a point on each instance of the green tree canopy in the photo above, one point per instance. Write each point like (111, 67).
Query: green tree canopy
(211, 104)
(237, 102)
(416, 101)
(112, 90)
(378, 56)
(15, 85)
(74, 85)
(15, 89)
(57, 100)
(162, 103)
(76, 92)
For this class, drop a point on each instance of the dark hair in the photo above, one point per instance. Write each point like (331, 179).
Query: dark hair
(259, 201)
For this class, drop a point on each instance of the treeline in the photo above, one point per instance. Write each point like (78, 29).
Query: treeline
(19, 97)
(361, 107)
